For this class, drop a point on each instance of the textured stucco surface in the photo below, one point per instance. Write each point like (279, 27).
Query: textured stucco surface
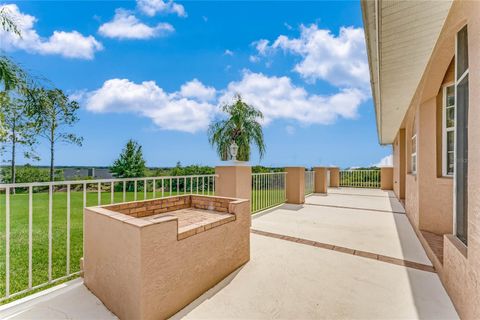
(334, 177)
(144, 270)
(321, 179)
(295, 185)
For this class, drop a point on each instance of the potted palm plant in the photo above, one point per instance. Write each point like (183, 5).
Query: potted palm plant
(234, 135)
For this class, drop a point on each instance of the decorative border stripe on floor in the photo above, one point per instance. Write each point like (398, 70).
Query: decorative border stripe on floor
(362, 195)
(360, 253)
(352, 208)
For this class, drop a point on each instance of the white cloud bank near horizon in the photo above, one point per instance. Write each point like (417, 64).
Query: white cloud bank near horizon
(386, 161)
(192, 108)
(70, 44)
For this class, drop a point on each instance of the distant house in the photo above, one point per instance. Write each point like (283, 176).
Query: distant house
(94, 173)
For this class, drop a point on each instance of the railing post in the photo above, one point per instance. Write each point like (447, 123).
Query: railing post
(334, 177)
(234, 181)
(295, 187)
(320, 179)
(386, 178)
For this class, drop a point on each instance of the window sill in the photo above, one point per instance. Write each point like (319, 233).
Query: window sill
(446, 177)
(458, 244)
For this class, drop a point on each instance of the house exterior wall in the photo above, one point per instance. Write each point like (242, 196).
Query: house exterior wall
(429, 200)
(399, 165)
(435, 193)
(461, 272)
(411, 185)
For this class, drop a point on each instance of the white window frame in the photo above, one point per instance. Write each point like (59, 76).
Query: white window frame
(413, 155)
(445, 130)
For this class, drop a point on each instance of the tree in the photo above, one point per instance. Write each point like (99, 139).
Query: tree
(29, 173)
(242, 127)
(52, 112)
(130, 163)
(18, 129)
(12, 76)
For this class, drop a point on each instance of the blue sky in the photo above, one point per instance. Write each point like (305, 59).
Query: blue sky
(156, 71)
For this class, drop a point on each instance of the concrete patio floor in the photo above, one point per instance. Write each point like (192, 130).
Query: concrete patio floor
(351, 254)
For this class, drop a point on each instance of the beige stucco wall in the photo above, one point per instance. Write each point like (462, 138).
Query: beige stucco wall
(462, 267)
(399, 165)
(233, 181)
(428, 195)
(141, 270)
(386, 178)
(411, 184)
(334, 177)
(435, 193)
(295, 188)
(321, 183)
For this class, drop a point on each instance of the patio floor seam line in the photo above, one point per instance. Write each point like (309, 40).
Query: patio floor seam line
(354, 208)
(361, 195)
(360, 253)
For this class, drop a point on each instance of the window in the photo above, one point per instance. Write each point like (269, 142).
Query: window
(414, 149)
(461, 135)
(448, 130)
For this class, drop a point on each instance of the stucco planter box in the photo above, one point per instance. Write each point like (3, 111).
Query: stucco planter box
(149, 259)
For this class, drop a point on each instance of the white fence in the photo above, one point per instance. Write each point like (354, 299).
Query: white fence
(360, 178)
(43, 223)
(268, 190)
(309, 182)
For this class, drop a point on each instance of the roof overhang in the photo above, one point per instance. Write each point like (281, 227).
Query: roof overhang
(400, 38)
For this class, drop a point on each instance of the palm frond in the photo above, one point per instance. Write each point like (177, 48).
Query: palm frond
(242, 127)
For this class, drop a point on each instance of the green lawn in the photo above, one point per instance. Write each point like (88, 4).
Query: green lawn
(261, 199)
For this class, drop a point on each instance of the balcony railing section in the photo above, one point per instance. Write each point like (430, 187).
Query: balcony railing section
(268, 190)
(309, 182)
(360, 178)
(42, 223)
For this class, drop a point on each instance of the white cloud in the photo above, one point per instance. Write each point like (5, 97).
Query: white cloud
(228, 52)
(262, 46)
(152, 7)
(279, 98)
(290, 129)
(254, 59)
(126, 26)
(196, 90)
(68, 44)
(340, 60)
(194, 105)
(168, 111)
(385, 162)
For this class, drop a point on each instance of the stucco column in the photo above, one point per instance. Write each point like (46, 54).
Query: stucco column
(233, 182)
(295, 185)
(386, 178)
(320, 179)
(334, 177)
